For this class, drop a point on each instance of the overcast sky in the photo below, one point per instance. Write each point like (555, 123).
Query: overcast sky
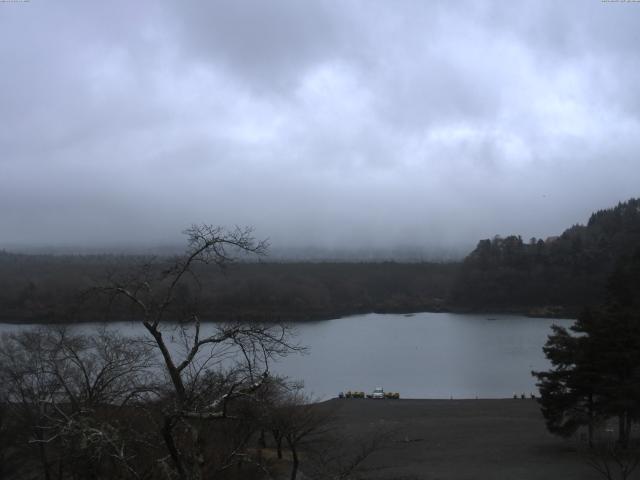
(332, 124)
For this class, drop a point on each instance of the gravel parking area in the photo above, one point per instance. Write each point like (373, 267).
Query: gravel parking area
(463, 439)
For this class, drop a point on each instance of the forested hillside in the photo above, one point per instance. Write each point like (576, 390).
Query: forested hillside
(553, 276)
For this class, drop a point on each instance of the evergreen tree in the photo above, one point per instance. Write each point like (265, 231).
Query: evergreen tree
(568, 396)
(595, 373)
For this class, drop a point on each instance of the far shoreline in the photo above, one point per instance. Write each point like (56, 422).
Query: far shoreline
(559, 313)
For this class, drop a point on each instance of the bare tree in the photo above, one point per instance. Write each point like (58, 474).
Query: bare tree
(28, 388)
(207, 372)
(59, 386)
(295, 418)
(142, 407)
(316, 441)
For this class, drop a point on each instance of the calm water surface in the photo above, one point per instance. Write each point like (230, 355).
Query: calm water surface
(426, 355)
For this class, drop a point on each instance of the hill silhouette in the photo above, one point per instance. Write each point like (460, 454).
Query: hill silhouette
(552, 276)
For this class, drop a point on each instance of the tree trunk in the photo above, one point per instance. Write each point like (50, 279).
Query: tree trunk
(590, 412)
(591, 420)
(198, 444)
(172, 370)
(294, 457)
(623, 430)
(167, 435)
(278, 438)
(43, 458)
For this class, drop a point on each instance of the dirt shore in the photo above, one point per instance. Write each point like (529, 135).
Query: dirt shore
(464, 439)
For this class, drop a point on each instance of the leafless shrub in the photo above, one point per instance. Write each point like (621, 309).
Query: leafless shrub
(57, 385)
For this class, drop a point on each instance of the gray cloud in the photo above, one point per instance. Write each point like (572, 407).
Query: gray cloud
(335, 124)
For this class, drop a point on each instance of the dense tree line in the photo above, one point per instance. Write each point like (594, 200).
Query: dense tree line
(560, 273)
(45, 288)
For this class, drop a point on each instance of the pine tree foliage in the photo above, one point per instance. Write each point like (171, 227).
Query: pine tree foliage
(595, 364)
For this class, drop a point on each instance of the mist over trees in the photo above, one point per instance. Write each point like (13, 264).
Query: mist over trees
(555, 276)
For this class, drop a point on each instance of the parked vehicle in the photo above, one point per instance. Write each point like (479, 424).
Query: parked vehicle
(378, 392)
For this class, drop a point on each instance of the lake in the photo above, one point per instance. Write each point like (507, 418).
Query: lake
(423, 355)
